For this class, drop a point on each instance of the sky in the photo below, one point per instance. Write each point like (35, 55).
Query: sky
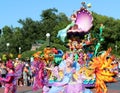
(13, 10)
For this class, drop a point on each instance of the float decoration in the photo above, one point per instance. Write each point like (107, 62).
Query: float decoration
(83, 22)
(80, 25)
(63, 33)
(99, 39)
(102, 66)
(88, 69)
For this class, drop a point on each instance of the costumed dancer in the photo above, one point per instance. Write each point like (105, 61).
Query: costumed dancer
(81, 59)
(75, 84)
(10, 85)
(38, 71)
(75, 64)
(67, 73)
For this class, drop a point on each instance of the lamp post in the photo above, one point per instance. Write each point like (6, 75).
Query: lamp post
(19, 50)
(48, 39)
(7, 44)
(116, 48)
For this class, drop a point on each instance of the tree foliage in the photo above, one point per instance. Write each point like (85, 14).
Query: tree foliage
(51, 22)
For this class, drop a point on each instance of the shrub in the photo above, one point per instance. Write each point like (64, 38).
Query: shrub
(58, 46)
(27, 54)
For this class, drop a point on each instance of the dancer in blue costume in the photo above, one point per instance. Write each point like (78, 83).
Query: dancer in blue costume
(68, 72)
(75, 64)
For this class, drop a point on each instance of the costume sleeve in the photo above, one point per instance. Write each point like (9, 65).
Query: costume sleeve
(0, 79)
(62, 83)
(62, 65)
(77, 66)
(7, 80)
(55, 72)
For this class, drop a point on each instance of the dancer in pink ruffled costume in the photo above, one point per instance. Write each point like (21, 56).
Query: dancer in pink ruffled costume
(9, 80)
(12, 76)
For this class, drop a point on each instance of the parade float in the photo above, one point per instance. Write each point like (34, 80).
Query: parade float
(82, 67)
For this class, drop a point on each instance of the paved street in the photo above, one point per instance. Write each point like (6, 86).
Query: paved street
(19, 89)
(112, 88)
